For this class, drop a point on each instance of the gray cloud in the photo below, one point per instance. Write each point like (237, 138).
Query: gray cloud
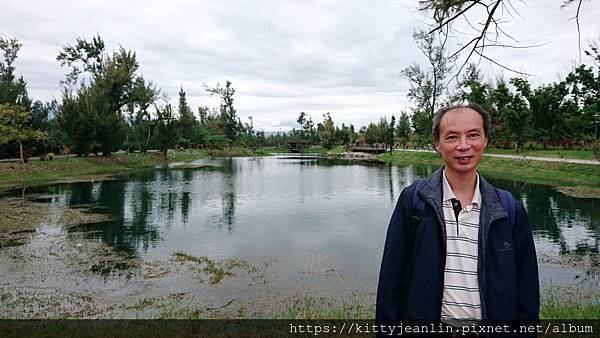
(283, 57)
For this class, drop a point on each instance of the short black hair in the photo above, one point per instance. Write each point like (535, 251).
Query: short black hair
(437, 119)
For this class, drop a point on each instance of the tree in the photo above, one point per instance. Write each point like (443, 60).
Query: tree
(187, 124)
(517, 114)
(12, 90)
(426, 86)
(41, 119)
(546, 103)
(144, 95)
(327, 134)
(228, 119)
(166, 125)
(101, 96)
(472, 89)
(14, 121)
(390, 133)
(301, 121)
(583, 85)
(403, 128)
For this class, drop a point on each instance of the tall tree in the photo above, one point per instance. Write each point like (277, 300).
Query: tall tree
(327, 135)
(228, 115)
(517, 114)
(187, 121)
(13, 90)
(403, 128)
(102, 95)
(390, 133)
(166, 126)
(144, 95)
(472, 89)
(427, 86)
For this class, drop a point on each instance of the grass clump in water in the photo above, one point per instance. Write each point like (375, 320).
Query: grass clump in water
(216, 271)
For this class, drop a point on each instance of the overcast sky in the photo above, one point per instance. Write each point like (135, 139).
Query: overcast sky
(283, 57)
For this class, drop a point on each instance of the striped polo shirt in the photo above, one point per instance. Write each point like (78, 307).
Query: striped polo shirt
(461, 288)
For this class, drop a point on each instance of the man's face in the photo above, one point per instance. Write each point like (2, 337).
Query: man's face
(462, 140)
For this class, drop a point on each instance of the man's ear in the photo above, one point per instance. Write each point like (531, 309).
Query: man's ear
(437, 147)
(486, 143)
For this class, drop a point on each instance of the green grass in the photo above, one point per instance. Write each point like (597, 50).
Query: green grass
(552, 173)
(323, 150)
(574, 154)
(36, 172)
(73, 168)
(548, 310)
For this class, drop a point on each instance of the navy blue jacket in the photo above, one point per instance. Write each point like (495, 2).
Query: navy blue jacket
(507, 266)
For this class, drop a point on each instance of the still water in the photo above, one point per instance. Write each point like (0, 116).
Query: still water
(295, 207)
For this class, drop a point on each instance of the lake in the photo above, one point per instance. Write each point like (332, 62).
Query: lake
(321, 223)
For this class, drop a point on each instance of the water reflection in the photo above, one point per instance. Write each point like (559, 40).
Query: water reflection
(293, 205)
(572, 224)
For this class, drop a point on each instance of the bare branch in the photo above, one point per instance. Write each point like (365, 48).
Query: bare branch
(517, 47)
(481, 37)
(578, 29)
(501, 65)
(455, 16)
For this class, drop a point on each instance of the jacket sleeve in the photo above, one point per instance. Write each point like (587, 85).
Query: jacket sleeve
(389, 289)
(528, 284)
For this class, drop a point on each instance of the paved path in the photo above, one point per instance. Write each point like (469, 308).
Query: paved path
(524, 157)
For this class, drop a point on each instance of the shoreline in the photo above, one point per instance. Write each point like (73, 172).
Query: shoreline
(93, 169)
(575, 180)
(572, 179)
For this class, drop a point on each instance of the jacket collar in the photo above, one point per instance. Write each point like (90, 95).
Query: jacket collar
(491, 209)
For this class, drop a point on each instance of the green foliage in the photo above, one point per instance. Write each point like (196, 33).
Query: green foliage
(166, 126)
(92, 117)
(217, 141)
(14, 122)
(14, 126)
(188, 126)
(403, 129)
(327, 134)
(228, 120)
(142, 125)
(426, 86)
(12, 90)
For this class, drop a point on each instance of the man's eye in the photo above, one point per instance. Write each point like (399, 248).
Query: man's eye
(450, 138)
(474, 135)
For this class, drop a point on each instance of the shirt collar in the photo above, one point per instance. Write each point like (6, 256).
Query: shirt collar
(448, 194)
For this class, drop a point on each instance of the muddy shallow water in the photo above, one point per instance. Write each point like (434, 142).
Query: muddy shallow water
(63, 275)
(241, 238)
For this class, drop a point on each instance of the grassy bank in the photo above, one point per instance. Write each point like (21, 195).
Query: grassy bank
(584, 177)
(310, 309)
(13, 174)
(575, 154)
(551, 309)
(307, 150)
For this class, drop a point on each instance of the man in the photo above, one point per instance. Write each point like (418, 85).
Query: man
(462, 255)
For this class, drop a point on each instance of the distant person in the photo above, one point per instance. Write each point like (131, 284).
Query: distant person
(457, 248)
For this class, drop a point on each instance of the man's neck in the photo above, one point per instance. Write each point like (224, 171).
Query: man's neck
(462, 184)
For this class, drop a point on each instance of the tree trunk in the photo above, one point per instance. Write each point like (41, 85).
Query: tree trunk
(21, 153)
